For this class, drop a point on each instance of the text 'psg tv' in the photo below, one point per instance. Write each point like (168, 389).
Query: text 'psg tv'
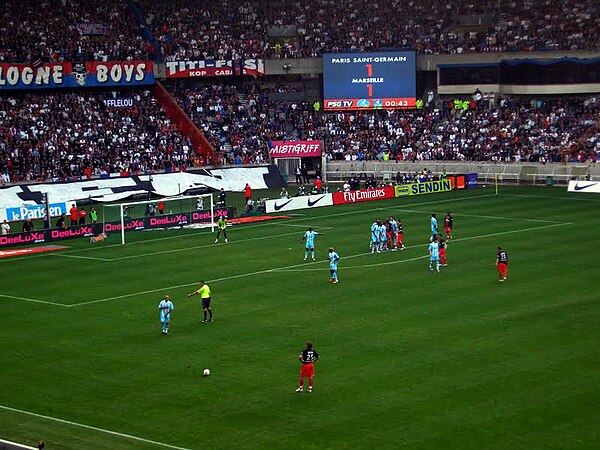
(354, 81)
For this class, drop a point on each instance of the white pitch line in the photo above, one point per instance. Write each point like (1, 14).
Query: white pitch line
(283, 269)
(362, 266)
(487, 217)
(15, 445)
(90, 427)
(93, 258)
(34, 300)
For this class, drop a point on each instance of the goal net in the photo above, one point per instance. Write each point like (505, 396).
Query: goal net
(168, 212)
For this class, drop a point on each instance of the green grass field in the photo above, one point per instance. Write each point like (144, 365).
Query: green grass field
(410, 358)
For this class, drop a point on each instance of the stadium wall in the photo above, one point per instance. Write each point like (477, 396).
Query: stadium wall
(507, 172)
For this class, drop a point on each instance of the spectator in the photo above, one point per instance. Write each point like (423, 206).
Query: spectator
(5, 227)
(161, 207)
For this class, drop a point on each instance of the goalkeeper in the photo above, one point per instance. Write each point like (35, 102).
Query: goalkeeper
(221, 228)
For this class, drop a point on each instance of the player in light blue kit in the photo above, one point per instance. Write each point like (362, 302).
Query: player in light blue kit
(375, 236)
(165, 307)
(434, 255)
(394, 227)
(434, 228)
(382, 237)
(309, 237)
(333, 266)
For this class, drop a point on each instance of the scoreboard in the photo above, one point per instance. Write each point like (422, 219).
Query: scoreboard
(382, 80)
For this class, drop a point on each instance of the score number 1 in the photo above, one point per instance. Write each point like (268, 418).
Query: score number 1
(369, 74)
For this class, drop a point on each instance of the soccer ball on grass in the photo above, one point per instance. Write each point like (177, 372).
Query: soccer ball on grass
(206, 372)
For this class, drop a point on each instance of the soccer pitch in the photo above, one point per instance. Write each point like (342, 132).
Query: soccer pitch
(410, 358)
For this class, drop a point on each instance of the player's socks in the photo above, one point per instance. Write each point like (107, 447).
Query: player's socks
(313, 255)
(305, 255)
(205, 316)
(210, 314)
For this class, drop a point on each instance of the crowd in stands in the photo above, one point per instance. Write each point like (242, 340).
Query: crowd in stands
(237, 29)
(60, 135)
(187, 30)
(511, 130)
(239, 121)
(549, 25)
(329, 26)
(54, 30)
(33, 31)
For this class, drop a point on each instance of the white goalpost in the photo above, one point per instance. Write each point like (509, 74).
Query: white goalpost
(141, 210)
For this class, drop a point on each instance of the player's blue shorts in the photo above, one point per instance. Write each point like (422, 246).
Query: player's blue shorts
(165, 318)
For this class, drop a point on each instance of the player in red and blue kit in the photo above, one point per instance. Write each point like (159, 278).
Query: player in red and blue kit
(308, 357)
(502, 264)
(442, 251)
(448, 224)
(400, 235)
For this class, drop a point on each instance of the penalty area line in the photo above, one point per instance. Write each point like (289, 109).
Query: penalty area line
(34, 300)
(90, 427)
(362, 266)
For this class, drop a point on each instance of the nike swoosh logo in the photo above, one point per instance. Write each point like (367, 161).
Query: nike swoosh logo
(579, 188)
(278, 207)
(315, 202)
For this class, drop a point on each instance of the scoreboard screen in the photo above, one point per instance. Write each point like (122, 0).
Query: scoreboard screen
(383, 80)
